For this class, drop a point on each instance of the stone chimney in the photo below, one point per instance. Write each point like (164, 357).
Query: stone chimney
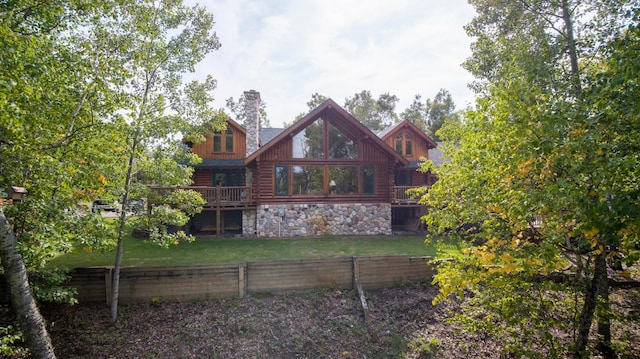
(252, 120)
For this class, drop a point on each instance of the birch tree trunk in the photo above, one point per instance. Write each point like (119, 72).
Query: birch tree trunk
(31, 322)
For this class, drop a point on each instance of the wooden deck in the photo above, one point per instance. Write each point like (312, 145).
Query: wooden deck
(243, 196)
(222, 197)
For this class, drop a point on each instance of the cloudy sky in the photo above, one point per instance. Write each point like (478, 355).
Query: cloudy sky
(289, 49)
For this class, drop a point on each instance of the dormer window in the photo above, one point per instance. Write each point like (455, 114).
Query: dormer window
(223, 140)
(403, 144)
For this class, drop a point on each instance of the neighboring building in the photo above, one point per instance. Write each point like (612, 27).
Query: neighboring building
(326, 174)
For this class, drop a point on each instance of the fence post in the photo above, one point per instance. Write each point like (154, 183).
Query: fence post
(108, 283)
(356, 272)
(242, 281)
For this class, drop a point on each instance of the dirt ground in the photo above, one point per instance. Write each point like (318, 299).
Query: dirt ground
(321, 324)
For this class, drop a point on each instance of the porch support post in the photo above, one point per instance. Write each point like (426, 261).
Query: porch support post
(218, 214)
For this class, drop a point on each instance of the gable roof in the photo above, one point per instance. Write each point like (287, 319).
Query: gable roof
(329, 109)
(391, 130)
(235, 125)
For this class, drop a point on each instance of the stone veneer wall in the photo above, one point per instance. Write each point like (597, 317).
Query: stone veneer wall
(252, 120)
(249, 223)
(304, 220)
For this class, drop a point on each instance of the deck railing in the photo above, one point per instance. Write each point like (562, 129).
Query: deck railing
(243, 195)
(400, 195)
(221, 196)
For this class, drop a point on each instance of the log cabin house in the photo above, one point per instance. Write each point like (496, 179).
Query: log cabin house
(327, 174)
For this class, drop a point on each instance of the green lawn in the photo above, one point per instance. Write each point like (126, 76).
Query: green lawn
(230, 250)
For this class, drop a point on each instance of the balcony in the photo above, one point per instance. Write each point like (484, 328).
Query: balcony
(222, 197)
(244, 197)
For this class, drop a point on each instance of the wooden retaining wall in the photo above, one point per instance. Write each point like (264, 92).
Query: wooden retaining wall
(239, 279)
(299, 275)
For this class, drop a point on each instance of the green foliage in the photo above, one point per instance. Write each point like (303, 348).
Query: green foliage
(426, 349)
(375, 114)
(157, 43)
(174, 209)
(86, 90)
(52, 142)
(156, 301)
(523, 315)
(41, 240)
(543, 174)
(431, 115)
(48, 286)
(11, 340)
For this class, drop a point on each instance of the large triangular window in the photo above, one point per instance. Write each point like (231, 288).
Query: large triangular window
(309, 143)
(322, 140)
(341, 146)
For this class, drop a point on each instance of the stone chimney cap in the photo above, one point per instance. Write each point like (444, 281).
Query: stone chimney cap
(252, 94)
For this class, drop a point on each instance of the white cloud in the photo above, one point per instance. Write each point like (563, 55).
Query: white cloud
(288, 50)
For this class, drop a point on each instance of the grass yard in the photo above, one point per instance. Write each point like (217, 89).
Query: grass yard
(229, 250)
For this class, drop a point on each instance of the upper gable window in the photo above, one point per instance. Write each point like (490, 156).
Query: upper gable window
(309, 143)
(341, 146)
(403, 143)
(322, 140)
(223, 140)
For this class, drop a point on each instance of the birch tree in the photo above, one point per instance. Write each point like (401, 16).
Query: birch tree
(83, 86)
(159, 41)
(54, 143)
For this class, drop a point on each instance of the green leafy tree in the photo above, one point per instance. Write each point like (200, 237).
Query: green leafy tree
(158, 41)
(542, 181)
(54, 98)
(315, 101)
(82, 87)
(440, 109)
(416, 113)
(430, 115)
(375, 114)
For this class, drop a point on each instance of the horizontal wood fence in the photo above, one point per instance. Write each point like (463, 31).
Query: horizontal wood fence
(239, 279)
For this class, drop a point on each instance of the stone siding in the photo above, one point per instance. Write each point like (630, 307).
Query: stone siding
(252, 120)
(306, 220)
(248, 223)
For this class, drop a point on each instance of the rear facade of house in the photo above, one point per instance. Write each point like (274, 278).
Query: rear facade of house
(327, 174)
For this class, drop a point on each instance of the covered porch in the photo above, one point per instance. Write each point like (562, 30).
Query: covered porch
(223, 210)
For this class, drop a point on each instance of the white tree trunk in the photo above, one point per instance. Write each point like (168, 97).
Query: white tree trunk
(31, 322)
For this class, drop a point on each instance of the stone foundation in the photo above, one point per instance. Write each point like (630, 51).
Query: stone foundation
(248, 223)
(306, 220)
